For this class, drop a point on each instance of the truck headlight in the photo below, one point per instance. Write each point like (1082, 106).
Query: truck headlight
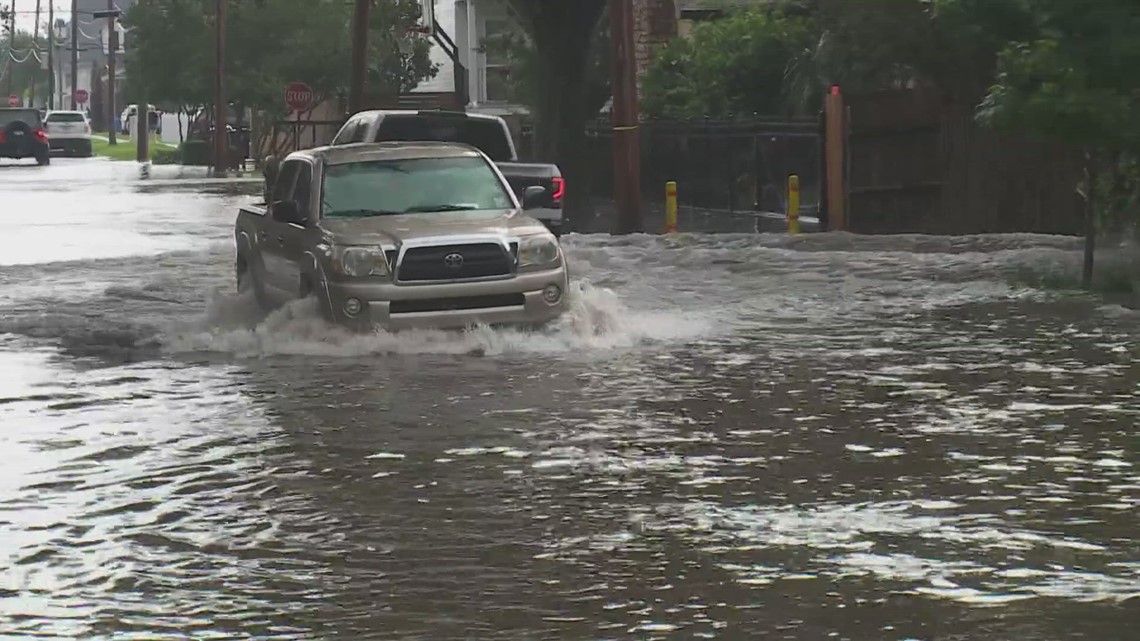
(538, 250)
(359, 262)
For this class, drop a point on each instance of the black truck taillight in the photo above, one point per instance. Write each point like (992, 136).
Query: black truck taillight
(559, 189)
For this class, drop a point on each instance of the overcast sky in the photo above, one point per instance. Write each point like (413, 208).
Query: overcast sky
(26, 13)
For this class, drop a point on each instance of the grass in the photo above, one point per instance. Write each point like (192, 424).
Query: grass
(125, 150)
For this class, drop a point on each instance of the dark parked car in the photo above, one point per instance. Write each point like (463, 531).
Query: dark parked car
(22, 135)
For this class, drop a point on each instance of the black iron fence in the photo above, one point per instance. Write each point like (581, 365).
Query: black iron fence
(727, 166)
(286, 136)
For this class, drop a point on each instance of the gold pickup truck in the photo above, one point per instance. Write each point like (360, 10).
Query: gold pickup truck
(400, 235)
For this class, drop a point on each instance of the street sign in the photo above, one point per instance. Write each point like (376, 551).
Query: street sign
(81, 96)
(13, 101)
(298, 96)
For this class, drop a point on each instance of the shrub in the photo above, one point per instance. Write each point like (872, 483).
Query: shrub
(196, 153)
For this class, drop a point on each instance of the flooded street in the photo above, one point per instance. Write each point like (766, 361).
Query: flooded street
(731, 436)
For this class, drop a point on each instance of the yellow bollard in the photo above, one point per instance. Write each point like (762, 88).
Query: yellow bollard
(670, 207)
(793, 214)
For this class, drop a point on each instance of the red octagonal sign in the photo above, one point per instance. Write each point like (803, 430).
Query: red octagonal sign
(298, 96)
(13, 100)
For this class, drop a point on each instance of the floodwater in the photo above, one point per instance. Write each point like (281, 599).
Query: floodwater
(731, 436)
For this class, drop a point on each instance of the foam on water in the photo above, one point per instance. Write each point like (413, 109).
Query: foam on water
(597, 320)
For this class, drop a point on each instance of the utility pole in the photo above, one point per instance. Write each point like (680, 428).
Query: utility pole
(221, 148)
(113, 53)
(142, 120)
(626, 120)
(35, 37)
(74, 53)
(359, 55)
(51, 54)
(9, 63)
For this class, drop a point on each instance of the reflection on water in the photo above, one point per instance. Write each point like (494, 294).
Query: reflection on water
(732, 437)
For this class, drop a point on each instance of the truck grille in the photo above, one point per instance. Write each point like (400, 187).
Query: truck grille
(456, 304)
(482, 260)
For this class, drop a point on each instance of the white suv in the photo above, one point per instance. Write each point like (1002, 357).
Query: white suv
(69, 132)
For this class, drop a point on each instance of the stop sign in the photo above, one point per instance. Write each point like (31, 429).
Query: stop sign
(13, 101)
(81, 96)
(298, 96)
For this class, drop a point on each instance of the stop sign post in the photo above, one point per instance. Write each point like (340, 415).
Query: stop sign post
(81, 96)
(298, 97)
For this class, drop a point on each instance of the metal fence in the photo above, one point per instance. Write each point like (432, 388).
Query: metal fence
(720, 166)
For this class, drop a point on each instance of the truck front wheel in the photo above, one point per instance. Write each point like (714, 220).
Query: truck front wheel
(247, 281)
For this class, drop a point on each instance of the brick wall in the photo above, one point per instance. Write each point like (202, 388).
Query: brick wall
(654, 23)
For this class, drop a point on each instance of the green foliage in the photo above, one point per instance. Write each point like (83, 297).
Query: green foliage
(196, 153)
(739, 65)
(1076, 79)
(166, 156)
(517, 48)
(268, 45)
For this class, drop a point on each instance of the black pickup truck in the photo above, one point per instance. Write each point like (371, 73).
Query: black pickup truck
(489, 134)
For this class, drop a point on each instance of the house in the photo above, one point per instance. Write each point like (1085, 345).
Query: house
(482, 75)
(475, 78)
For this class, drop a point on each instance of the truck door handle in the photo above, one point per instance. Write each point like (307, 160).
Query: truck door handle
(281, 240)
(261, 235)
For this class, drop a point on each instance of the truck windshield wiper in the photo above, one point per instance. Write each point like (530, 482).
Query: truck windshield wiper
(434, 208)
(363, 213)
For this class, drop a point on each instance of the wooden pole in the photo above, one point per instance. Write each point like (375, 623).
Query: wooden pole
(359, 55)
(10, 64)
(835, 142)
(51, 54)
(626, 120)
(74, 53)
(35, 37)
(112, 53)
(221, 115)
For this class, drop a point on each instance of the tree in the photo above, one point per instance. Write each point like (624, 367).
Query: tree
(739, 65)
(1076, 81)
(563, 34)
(269, 44)
(522, 85)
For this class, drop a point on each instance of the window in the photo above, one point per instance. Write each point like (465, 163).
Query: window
(348, 132)
(303, 189)
(283, 187)
(412, 186)
(498, 65)
(484, 134)
(66, 116)
(361, 130)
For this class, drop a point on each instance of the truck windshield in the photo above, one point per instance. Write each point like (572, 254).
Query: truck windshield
(28, 116)
(485, 135)
(410, 186)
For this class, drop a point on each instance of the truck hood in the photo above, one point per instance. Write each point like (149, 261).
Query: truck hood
(395, 230)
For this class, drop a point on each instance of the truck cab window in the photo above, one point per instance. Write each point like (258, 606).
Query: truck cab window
(283, 188)
(303, 189)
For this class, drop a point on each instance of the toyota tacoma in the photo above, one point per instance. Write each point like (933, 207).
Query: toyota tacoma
(405, 234)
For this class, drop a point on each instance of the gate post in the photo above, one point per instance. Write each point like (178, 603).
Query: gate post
(835, 153)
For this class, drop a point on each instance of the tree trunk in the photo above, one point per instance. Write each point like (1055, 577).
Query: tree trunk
(563, 35)
(1090, 221)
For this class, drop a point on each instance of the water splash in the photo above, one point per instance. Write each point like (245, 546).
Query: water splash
(596, 320)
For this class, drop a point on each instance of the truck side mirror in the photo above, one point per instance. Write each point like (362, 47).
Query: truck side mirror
(534, 197)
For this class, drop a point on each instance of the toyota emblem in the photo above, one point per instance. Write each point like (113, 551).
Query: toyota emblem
(453, 260)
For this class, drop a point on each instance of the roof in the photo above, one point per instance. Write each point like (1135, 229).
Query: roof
(427, 112)
(368, 151)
